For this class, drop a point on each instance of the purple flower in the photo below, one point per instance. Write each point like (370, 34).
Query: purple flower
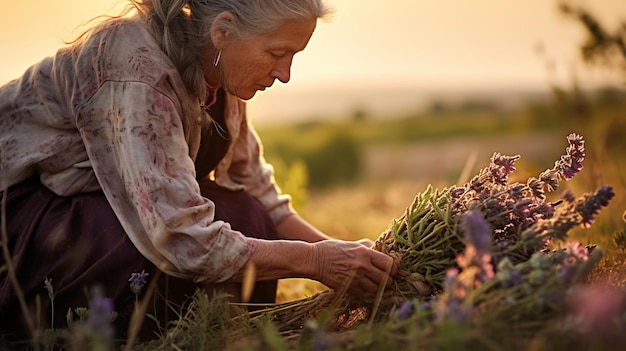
(516, 191)
(572, 162)
(598, 307)
(522, 208)
(100, 312)
(485, 266)
(476, 231)
(567, 274)
(512, 278)
(405, 311)
(477, 255)
(457, 191)
(138, 281)
(501, 167)
(506, 162)
(453, 309)
(536, 188)
(550, 179)
(577, 251)
(591, 204)
(544, 210)
(101, 315)
(507, 274)
(321, 341)
(451, 280)
(568, 196)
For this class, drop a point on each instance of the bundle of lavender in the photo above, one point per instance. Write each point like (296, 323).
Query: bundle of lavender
(460, 248)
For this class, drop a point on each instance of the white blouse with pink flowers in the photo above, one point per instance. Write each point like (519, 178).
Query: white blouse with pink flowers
(112, 113)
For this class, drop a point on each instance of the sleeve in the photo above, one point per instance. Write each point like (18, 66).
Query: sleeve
(135, 141)
(245, 166)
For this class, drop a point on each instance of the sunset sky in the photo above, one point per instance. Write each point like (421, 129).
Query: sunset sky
(426, 44)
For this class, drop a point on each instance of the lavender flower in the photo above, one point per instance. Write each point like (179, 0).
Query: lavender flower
(592, 204)
(477, 256)
(570, 258)
(138, 281)
(522, 208)
(100, 310)
(568, 165)
(449, 306)
(597, 307)
(321, 340)
(507, 224)
(405, 311)
(571, 213)
(501, 167)
(507, 274)
(485, 268)
(577, 251)
(540, 261)
(568, 196)
(567, 274)
(536, 188)
(100, 317)
(476, 231)
(517, 191)
(572, 162)
(544, 210)
(451, 284)
(456, 312)
(550, 179)
(457, 191)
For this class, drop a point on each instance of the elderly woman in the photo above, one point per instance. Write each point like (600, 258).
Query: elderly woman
(129, 152)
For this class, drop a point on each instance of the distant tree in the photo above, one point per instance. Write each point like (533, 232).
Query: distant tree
(359, 115)
(606, 48)
(601, 46)
(338, 161)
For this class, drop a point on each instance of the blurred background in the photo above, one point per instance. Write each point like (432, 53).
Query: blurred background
(373, 56)
(389, 97)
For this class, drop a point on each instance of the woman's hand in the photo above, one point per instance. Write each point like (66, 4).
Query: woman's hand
(340, 264)
(366, 242)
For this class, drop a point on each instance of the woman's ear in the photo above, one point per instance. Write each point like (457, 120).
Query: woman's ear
(221, 29)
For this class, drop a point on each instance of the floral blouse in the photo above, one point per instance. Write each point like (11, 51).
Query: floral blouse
(113, 113)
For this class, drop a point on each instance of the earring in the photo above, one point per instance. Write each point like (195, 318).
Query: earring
(217, 58)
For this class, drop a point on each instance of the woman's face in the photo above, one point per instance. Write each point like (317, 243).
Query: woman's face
(250, 65)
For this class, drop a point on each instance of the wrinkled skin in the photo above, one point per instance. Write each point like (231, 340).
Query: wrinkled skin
(248, 65)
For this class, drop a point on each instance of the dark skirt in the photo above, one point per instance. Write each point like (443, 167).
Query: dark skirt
(78, 243)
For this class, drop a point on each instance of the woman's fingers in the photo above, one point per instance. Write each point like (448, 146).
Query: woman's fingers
(384, 262)
(366, 242)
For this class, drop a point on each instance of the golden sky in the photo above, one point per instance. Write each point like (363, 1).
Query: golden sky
(372, 43)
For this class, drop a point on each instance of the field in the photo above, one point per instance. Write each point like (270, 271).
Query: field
(355, 177)
(444, 149)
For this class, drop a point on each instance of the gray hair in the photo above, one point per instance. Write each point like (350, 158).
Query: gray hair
(183, 26)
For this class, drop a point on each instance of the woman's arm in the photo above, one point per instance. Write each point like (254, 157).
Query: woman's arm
(135, 140)
(335, 263)
(294, 227)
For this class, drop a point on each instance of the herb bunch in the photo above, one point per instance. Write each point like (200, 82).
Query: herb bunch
(516, 217)
(482, 248)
